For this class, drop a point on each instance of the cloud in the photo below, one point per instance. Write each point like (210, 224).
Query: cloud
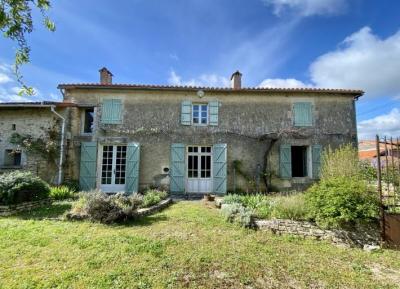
(364, 61)
(305, 8)
(204, 80)
(386, 124)
(285, 83)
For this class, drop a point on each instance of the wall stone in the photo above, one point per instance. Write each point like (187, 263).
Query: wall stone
(27, 206)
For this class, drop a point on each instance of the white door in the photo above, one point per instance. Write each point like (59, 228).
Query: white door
(198, 169)
(113, 168)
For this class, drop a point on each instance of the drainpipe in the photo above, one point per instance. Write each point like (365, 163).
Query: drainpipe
(62, 144)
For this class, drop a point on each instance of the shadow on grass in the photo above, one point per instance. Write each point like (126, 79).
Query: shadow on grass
(53, 211)
(142, 221)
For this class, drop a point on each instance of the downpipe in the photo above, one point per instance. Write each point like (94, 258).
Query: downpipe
(59, 180)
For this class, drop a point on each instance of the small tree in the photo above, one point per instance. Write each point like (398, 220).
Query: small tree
(342, 162)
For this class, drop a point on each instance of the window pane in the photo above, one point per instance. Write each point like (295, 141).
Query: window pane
(204, 108)
(88, 120)
(195, 149)
(195, 107)
(195, 120)
(204, 121)
(195, 114)
(204, 114)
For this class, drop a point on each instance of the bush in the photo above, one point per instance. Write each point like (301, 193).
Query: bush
(237, 213)
(19, 186)
(342, 162)
(291, 207)
(61, 193)
(339, 201)
(153, 197)
(73, 185)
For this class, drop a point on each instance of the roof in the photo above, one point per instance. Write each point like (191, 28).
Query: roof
(37, 104)
(354, 92)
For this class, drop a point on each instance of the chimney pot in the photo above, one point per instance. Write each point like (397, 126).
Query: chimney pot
(236, 80)
(105, 76)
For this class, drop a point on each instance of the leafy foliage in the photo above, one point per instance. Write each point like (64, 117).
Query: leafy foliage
(19, 186)
(237, 213)
(338, 201)
(16, 22)
(61, 193)
(342, 162)
(153, 197)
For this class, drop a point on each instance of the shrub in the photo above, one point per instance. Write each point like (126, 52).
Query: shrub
(19, 186)
(237, 213)
(232, 199)
(335, 202)
(153, 197)
(61, 193)
(73, 185)
(289, 207)
(104, 209)
(342, 162)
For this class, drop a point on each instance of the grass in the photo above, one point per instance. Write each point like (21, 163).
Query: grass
(186, 246)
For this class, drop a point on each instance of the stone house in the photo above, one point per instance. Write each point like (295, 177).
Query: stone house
(127, 137)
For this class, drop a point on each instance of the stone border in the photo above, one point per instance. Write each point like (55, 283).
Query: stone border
(153, 209)
(26, 206)
(359, 237)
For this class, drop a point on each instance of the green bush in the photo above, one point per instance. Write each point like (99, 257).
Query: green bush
(61, 193)
(339, 201)
(341, 162)
(237, 213)
(153, 197)
(19, 186)
(289, 207)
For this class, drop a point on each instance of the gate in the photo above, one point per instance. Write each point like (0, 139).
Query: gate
(388, 182)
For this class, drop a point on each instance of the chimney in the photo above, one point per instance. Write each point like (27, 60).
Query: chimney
(236, 80)
(105, 76)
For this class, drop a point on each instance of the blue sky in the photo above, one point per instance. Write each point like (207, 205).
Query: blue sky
(278, 43)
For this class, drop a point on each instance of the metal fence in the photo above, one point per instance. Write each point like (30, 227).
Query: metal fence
(388, 182)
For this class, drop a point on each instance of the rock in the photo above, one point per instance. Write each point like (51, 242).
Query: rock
(371, 248)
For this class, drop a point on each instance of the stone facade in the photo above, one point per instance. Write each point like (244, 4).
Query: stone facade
(27, 206)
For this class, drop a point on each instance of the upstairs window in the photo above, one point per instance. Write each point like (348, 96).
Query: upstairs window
(200, 114)
(12, 158)
(303, 114)
(88, 120)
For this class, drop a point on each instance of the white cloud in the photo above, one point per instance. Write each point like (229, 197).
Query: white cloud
(305, 8)
(386, 124)
(364, 61)
(208, 80)
(4, 78)
(285, 83)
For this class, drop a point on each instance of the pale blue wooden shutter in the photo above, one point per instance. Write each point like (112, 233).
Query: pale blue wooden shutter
(303, 114)
(177, 169)
(219, 155)
(285, 161)
(186, 112)
(87, 172)
(132, 167)
(213, 108)
(111, 112)
(316, 161)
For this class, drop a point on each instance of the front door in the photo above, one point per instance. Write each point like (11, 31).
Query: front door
(113, 168)
(198, 169)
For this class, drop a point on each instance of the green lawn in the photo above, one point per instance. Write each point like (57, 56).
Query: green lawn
(186, 246)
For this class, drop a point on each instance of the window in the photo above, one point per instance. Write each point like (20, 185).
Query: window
(14, 126)
(299, 161)
(302, 114)
(111, 112)
(88, 118)
(199, 162)
(200, 114)
(12, 158)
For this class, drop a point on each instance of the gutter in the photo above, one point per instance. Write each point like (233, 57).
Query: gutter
(59, 180)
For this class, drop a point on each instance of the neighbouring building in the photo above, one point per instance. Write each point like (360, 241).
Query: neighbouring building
(127, 137)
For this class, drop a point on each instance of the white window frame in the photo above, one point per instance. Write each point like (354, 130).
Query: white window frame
(200, 105)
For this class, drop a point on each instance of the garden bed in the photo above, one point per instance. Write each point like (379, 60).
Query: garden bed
(7, 210)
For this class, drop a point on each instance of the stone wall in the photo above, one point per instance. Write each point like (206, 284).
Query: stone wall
(27, 206)
(357, 237)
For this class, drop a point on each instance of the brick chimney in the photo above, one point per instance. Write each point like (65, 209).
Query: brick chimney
(236, 80)
(105, 76)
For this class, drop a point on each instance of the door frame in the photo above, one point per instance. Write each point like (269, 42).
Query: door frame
(210, 179)
(100, 168)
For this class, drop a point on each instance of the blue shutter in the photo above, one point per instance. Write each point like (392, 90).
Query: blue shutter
(132, 167)
(303, 114)
(87, 172)
(316, 161)
(186, 112)
(111, 112)
(285, 161)
(213, 109)
(177, 169)
(219, 155)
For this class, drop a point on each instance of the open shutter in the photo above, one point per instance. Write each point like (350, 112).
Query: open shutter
(186, 112)
(302, 114)
(87, 172)
(132, 167)
(111, 112)
(285, 161)
(316, 161)
(219, 155)
(213, 108)
(177, 170)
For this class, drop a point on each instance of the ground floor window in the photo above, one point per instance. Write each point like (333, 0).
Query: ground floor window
(113, 165)
(299, 161)
(12, 158)
(199, 162)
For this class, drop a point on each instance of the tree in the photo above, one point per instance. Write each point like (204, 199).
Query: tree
(15, 23)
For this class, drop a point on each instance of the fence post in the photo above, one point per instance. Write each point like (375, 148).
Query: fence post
(392, 159)
(387, 166)
(379, 174)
